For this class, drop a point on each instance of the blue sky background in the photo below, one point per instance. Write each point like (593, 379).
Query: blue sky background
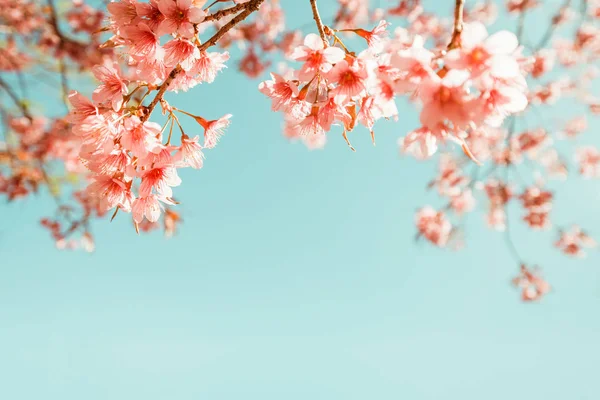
(295, 276)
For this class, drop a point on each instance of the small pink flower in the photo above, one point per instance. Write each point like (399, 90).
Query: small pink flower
(151, 13)
(142, 40)
(114, 162)
(252, 65)
(480, 53)
(123, 12)
(316, 57)
(82, 108)
(375, 36)
(111, 191)
(588, 158)
(147, 206)
(414, 63)
(532, 286)
(181, 51)
(208, 65)
(445, 99)
(161, 179)
(180, 15)
(112, 88)
(573, 241)
(213, 130)
(284, 95)
(420, 143)
(350, 77)
(433, 225)
(141, 138)
(190, 153)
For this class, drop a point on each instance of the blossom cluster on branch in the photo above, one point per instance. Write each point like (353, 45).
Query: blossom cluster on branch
(107, 152)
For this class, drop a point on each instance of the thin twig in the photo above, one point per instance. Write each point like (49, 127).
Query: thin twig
(458, 24)
(553, 24)
(18, 102)
(317, 17)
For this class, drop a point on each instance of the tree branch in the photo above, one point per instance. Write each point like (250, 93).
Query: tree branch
(459, 9)
(22, 106)
(317, 17)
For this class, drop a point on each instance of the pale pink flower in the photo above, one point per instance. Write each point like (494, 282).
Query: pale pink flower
(433, 225)
(181, 51)
(113, 86)
(463, 202)
(420, 143)
(316, 57)
(123, 12)
(141, 138)
(213, 130)
(151, 13)
(494, 105)
(95, 130)
(573, 241)
(82, 108)
(208, 65)
(142, 40)
(588, 158)
(445, 99)
(284, 96)
(148, 207)
(480, 53)
(543, 62)
(116, 161)
(190, 153)
(251, 64)
(180, 15)
(375, 36)
(414, 63)
(574, 127)
(532, 286)
(111, 191)
(350, 77)
(161, 179)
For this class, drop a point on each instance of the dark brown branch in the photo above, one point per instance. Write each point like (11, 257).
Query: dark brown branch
(217, 15)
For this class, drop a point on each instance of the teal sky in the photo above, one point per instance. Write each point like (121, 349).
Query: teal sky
(295, 276)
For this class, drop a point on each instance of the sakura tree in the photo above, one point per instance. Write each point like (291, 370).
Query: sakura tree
(471, 88)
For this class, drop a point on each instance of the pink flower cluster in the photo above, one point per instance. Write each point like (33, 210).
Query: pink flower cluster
(332, 87)
(532, 285)
(480, 82)
(468, 90)
(433, 226)
(537, 204)
(573, 241)
(132, 160)
(139, 27)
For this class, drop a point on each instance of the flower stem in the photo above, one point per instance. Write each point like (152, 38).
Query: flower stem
(458, 24)
(317, 17)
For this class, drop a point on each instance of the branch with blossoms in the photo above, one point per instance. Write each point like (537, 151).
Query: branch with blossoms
(474, 93)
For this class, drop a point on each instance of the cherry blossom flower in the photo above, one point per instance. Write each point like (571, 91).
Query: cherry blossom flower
(316, 57)
(213, 130)
(573, 241)
(533, 286)
(433, 225)
(180, 15)
(112, 88)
